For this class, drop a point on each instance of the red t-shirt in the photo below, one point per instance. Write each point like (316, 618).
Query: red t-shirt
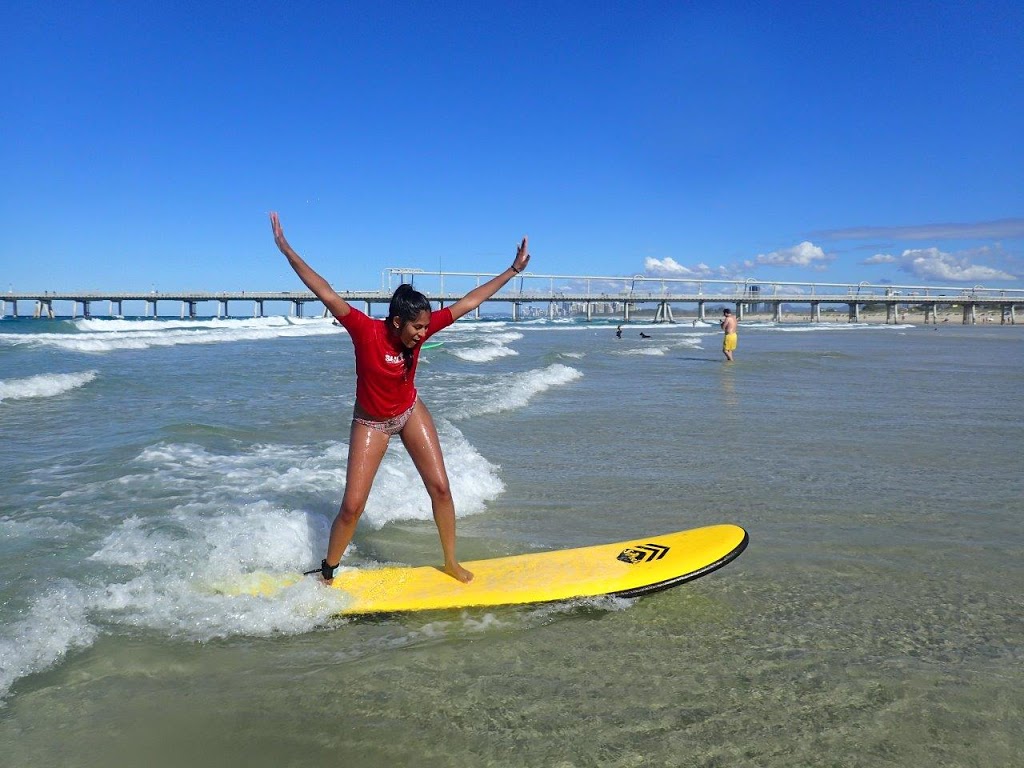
(384, 389)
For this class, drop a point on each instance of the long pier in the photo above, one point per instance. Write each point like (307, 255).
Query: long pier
(585, 295)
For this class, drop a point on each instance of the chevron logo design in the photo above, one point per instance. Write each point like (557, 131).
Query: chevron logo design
(645, 553)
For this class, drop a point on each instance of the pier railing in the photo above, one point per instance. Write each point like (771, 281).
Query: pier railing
(586, 295)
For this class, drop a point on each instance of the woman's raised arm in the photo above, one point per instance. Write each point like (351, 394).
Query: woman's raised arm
(476, 297)
(336, 305)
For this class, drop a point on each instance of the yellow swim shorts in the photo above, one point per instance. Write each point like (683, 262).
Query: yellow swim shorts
(730, 341)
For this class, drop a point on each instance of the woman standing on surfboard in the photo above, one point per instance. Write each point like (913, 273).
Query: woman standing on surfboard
(386, 400)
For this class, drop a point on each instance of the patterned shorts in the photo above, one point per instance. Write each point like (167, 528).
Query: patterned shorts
(391, 426)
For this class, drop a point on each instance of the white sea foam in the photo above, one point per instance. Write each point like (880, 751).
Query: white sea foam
(278, 473)
(55, 623)
(398, 492)
(126, 326)
(505, 337)
(98, 336)
(38, 528)
(691, 340)
(483, 354)
(510, 391)
(181, 557)
(827, 327)
(487, 347)
(200, 518)
(43, 385)
(648, 351)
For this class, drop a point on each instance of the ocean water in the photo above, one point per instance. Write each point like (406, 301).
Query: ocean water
(876, 618)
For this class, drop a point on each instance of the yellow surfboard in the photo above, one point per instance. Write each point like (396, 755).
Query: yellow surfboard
(623, 569)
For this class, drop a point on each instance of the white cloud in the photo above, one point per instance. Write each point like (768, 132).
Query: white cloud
(669, 267)
(880, 258)
(806, 254)
(933, 263)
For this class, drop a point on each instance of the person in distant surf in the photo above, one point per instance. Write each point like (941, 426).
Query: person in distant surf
(731, 339)
(386, 399)
(618, 332)
(644, 335)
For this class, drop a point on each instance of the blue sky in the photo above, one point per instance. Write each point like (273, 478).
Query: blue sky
(144, 143)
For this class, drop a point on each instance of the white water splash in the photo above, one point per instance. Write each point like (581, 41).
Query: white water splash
(43, 385)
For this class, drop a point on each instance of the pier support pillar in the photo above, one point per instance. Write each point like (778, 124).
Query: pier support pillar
(890, 313)
(778, 312)
(1006, 316)
(296, 309)
(515, 310)
(222, 308)
(257, 308)
(664, 313)
(151, 307)
(701, 313)
(590, 311)
(551, 310)
(815, 311)
(854, 312)
(970, 314)
(739, 310)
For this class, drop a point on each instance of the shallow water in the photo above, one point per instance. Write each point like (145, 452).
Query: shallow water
(875, 619)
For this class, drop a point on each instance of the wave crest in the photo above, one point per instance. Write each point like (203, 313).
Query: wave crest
(44, 385)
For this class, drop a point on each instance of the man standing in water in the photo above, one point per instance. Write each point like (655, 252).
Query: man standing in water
(729, 327)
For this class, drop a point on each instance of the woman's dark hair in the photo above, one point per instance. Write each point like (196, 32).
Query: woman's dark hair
(406, 305)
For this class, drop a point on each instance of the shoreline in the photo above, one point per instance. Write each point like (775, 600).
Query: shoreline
(842, 318)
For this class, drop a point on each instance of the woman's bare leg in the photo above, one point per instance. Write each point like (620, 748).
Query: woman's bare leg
(366, 448)
(420, 439)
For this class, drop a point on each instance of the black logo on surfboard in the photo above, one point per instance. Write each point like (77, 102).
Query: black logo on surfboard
(645, 553)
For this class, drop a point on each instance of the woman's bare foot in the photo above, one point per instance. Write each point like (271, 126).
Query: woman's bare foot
(456, 571)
